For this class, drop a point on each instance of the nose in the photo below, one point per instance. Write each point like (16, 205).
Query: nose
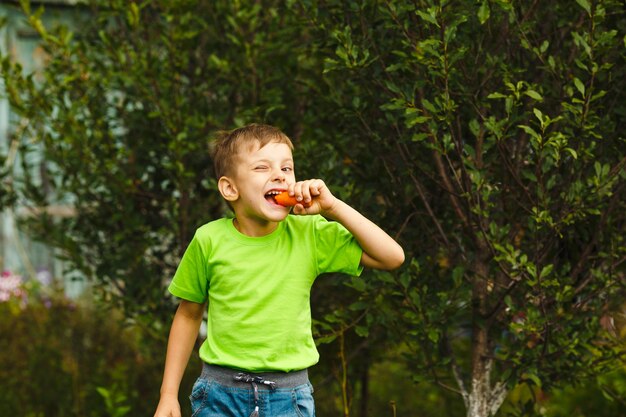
(279, 175)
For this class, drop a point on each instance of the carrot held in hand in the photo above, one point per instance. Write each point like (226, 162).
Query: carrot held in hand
(284, 199)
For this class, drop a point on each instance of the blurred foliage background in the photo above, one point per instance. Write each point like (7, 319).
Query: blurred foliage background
(486, 136)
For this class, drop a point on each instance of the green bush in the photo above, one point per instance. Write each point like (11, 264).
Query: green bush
(483, 135)
(66, 358)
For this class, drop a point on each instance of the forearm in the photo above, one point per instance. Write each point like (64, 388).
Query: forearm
(380, 250)
(182, 338)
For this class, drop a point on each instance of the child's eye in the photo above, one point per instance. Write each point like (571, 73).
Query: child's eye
(260, 168)
(287, 169)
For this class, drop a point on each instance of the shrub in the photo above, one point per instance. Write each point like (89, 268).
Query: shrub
(76, 358)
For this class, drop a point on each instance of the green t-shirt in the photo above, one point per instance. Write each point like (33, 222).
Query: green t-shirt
(258, 288)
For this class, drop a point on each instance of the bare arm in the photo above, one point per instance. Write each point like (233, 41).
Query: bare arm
(380, 251)
(182, 338)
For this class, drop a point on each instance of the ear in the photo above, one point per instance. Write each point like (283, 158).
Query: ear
(228, 189)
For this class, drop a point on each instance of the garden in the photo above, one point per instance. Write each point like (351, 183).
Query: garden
(486, 136)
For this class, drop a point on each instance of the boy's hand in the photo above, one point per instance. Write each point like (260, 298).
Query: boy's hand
(314, 191)
(168, 407)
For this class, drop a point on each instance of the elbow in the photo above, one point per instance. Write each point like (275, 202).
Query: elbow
(399, 260)
(392, 259)
(395, 261)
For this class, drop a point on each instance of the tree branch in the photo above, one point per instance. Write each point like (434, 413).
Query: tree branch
(497, 397)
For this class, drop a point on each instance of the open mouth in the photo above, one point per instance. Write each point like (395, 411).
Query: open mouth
(271, 196)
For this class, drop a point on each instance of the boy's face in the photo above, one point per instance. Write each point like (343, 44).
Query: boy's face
(259, 172)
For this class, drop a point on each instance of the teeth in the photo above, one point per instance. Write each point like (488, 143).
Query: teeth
(273, 192)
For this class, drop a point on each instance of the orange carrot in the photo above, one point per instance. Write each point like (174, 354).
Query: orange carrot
(284, 199)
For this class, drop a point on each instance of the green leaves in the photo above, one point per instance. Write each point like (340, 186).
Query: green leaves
(486, 136)
(133, 14)
(484, 12)
(580, 86)
(497, 127)
(585, 5)
(114, 401)
(430, 15)
(125, 110)
(534, 95)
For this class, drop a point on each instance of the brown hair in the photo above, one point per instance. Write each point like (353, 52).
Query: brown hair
(228, 144)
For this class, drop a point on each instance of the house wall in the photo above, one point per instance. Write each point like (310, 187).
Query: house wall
(18, 253)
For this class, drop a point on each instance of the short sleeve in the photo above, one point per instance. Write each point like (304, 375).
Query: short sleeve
(191, 281)
(336, 249)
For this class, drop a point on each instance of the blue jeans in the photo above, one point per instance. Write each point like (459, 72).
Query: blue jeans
(217, 394)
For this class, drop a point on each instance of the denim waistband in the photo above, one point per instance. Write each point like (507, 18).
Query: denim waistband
(226, 376)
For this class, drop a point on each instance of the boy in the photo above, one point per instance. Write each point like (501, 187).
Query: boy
(255, 271)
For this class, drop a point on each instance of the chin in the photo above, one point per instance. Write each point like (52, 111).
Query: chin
(277, 216)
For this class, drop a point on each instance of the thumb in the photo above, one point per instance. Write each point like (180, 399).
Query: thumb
(299, 209)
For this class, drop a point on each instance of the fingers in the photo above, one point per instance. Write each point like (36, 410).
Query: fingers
(305, 191)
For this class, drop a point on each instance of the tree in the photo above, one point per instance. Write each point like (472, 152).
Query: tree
(125, 109)
(498, 125)
(7, 193)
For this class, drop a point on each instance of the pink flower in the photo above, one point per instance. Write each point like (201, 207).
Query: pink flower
(10, 286)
